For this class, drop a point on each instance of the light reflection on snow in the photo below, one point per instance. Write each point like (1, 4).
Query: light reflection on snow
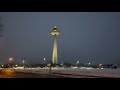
(71, 69)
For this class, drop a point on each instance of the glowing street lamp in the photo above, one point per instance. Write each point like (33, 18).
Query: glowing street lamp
(44, 59)
(77, 62)
(23, 63)
(16, 65)
(88, 64)
(10, 59)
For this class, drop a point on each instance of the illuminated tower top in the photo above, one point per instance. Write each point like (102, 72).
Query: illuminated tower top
(55, 31)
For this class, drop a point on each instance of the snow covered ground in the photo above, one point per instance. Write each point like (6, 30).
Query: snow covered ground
(78, 71)
(92, 70)
(81, 70)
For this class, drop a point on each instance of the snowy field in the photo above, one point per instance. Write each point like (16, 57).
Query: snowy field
(75, 70)
(79, 70)
(92, 70)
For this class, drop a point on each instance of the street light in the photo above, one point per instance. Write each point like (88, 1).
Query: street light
(23, 63)
(11, 59)
(44, 59)
(88, 64)
(16, 65)
(77, 62)
(2, 65)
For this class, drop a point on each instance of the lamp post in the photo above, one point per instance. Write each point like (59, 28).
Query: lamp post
(77, 63)
(2, 66)
(50, 67)
(44, 61)
(11, 60)
(88, 64)
(16, 65)
(23, 63)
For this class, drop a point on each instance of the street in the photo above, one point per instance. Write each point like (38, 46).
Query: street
(12, 74)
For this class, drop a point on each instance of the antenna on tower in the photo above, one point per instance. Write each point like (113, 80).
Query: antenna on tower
(55, 26)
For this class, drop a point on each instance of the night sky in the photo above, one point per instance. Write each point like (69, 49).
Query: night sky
(85, 36)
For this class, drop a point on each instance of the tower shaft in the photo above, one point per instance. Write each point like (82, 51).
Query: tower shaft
(55, 56)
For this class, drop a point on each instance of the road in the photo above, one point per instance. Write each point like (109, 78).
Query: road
(7, 73)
